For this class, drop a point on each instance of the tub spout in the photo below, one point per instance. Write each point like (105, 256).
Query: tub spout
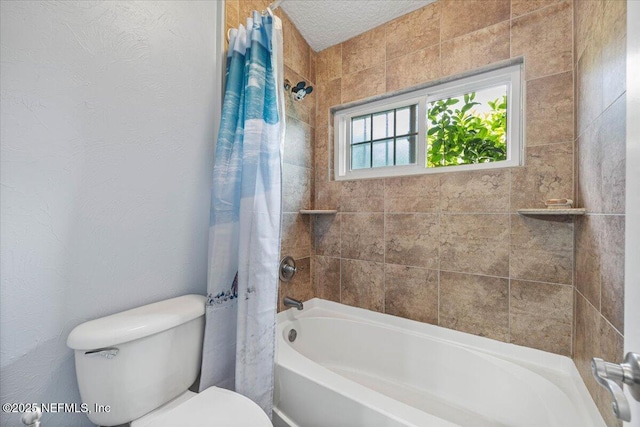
(290, 302)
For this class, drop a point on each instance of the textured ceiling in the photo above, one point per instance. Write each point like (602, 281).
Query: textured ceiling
(324, 23)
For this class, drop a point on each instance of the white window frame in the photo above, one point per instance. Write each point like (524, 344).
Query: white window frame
(511, 76)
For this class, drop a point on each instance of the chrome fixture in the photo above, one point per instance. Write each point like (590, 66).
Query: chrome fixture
(293, 335)
(109, 353)
(287, 268)
(612, 376)
(290, 302)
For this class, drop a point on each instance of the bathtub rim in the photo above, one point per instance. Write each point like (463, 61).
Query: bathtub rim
(541, 362)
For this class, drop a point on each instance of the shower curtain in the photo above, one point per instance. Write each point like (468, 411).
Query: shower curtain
(244, 231)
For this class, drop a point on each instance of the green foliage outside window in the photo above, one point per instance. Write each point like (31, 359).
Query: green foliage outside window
(465, 136)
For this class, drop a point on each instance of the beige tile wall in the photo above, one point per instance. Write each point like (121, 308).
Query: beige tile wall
(600, 46)
(300, 65)
(450, 249)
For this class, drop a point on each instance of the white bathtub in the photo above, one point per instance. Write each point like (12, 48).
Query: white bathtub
(352, 367)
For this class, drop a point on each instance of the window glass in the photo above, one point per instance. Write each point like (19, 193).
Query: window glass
(361, 129)
(361, 156)
(383, 124)
(387, 137)
(383, 153)
(406, 120)
(467, 129)
(406, 150)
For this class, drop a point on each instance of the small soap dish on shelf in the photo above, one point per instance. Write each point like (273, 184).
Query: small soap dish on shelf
(559, 204)
(555, 207)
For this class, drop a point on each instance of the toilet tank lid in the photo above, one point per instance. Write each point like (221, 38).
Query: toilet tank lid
(136, 323)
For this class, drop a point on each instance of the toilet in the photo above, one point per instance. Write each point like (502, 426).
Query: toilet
(137, 366)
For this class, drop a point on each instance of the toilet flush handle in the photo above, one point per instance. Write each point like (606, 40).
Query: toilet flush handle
(109, 353)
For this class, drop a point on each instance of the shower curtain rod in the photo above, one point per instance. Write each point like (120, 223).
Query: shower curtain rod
(276, 4)
(273, 6)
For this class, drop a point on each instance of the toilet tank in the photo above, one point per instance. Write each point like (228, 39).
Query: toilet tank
(137, 360)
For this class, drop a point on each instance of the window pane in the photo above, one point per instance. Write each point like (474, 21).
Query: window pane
(360, 129)
(406, 150)
(383, 125)
(383, 153)
(406, 120)
(469, 128)
(361, 156)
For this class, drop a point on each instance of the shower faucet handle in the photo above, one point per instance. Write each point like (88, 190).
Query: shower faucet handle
(290, 268)
(287, 268)
(612, 375)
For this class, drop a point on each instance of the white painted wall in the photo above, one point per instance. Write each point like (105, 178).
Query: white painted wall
(108, 124)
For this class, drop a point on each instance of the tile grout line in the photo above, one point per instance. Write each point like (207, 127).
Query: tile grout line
(598, 237)
(535, 11)
(574, 67)
(604, 214)
(384, 242)
(596, 119)
(340, 262)
(599, 313)
(439, 257)
(510, 27)
(440, 74)
(509, 264)
(384, 194)
(576, 177)
(417, 267)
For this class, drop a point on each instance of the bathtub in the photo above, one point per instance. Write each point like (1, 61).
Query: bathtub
(352, 367)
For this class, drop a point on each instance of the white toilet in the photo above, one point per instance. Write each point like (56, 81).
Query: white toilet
(141, 362)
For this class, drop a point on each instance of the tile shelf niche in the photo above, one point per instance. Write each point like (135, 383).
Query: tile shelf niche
(546, 211)
(318, 211)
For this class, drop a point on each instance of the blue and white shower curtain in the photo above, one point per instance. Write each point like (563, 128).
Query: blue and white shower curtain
(244, 231)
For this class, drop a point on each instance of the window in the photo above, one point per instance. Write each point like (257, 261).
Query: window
(386, 138)
(469, 123)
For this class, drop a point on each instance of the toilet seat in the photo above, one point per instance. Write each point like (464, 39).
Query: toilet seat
(214, 407)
